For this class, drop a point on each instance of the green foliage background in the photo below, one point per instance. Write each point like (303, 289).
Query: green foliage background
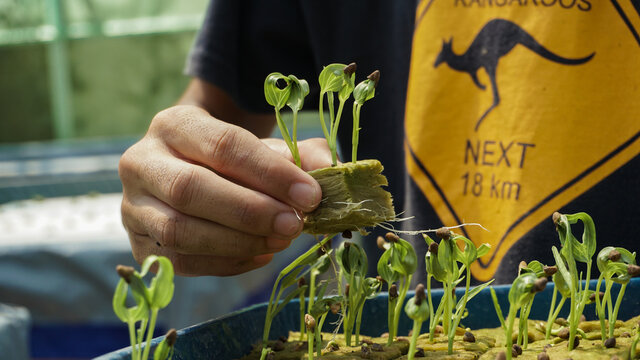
(118, 83)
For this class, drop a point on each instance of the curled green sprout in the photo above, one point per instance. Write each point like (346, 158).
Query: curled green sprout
(417, 310)
(165, 349)
(335, 78)
(542, 272)
(365, 90)
(575, 251)
(292, 95)
(616, 265)
(442, 263)
(319, 312)
(149, 300)
(289, 276)
(397, 263)
(522, 291)
(352, 261)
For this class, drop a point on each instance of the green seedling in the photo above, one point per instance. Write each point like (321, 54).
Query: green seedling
(319, 312)
(352, 262)
(397, 264)
(616, 265)
(575, 251)
(417, 310)
(561, 287)
(289, 276)
(542, 272)
(148, 302)
(340, 79)
(165, 348)
(522, 291)
(365, 90)
(292, 95)
(310, 323)
(442, 264)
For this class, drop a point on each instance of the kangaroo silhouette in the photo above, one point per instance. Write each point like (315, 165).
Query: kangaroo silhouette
(495, 40)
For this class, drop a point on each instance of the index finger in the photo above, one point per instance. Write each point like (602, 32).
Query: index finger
(238, 155)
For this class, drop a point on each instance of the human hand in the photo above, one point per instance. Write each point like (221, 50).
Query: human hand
(211, 196)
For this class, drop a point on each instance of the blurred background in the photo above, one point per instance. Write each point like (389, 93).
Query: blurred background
(80, 81)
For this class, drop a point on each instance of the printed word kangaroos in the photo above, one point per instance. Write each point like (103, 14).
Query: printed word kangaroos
(495, 40)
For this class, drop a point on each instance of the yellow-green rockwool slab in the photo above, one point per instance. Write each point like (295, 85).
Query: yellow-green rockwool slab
(352, 198)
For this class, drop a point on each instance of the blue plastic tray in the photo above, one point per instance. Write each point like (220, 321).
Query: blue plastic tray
(232, 336)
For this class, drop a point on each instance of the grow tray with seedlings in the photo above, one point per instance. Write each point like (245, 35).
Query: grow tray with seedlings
(345, 315)
(356, 321)
(234, 335)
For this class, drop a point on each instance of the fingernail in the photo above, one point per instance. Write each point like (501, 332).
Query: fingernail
(303, 195)
(278, 244)
(287, 224)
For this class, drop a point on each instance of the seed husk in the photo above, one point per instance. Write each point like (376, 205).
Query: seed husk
(433, 248)
(393, 291)
(310, 322)
(380, 242)
(501, 356)
(522, 265)
(514, 352)
(172, 336)
(614, 255)
(271, 355)
(543, 356)
(125, 272)
(556, 217)
(347, 234)
(518, 349)
(278, 345)
(375, 77)
(443, 233)
(419, 353)
(302, 282)
(550, 270)
(576, 342)
(391, 237)
(468, 337)
(420, 294)
(633, 270)
(592, 297)
(377, 347)
(563, 333)
(610, 342)
(350, 69)
(539, 285)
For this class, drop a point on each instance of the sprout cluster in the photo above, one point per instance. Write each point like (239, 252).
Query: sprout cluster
(148, 302)
(616, 265)
(334, 79)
